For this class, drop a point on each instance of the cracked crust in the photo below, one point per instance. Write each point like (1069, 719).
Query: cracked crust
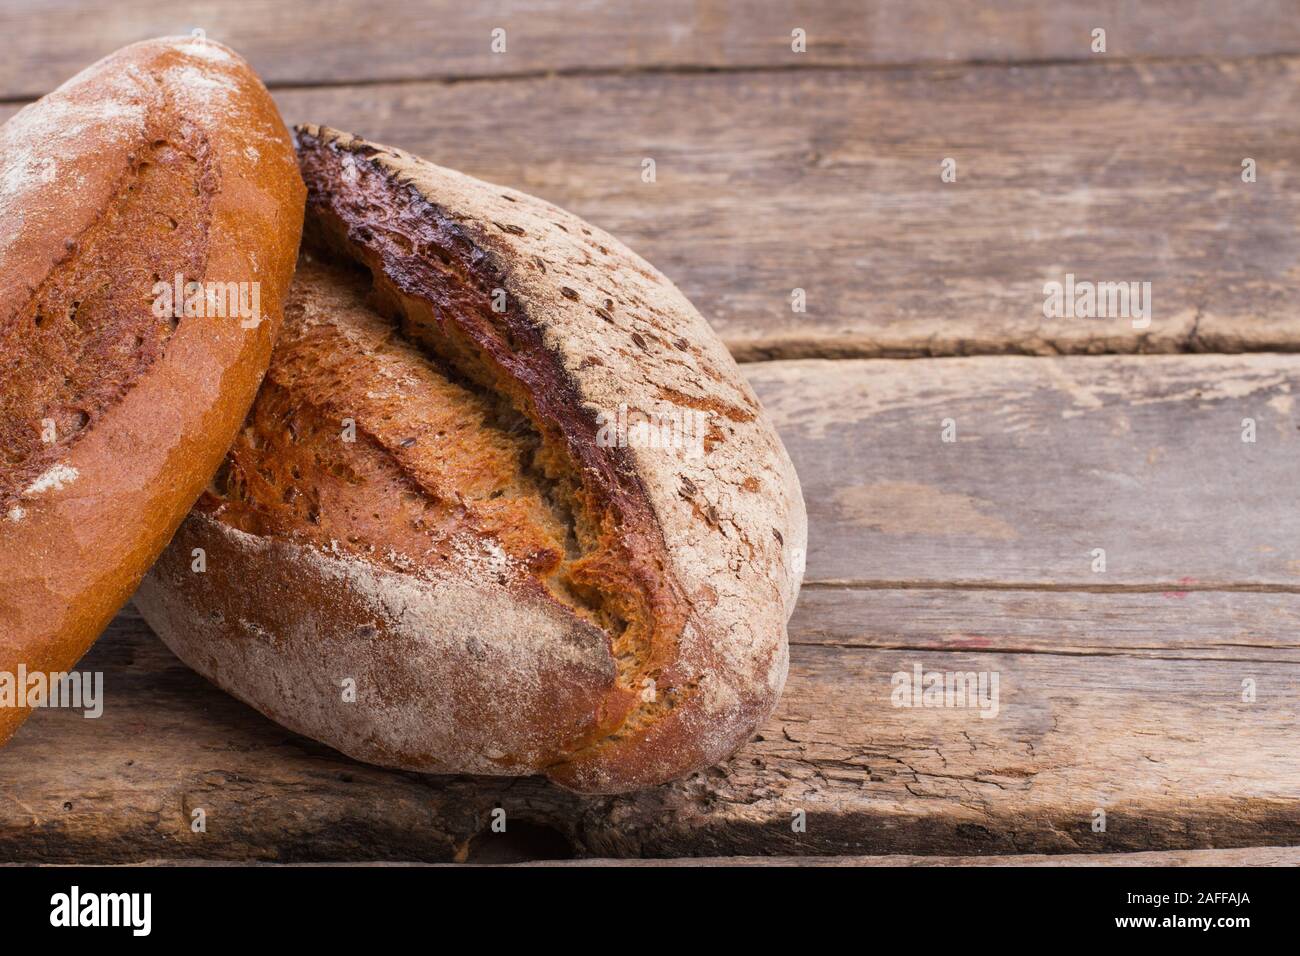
(166, 157)
(613, 616)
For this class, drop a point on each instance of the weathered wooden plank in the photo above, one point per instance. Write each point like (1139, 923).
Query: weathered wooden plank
(300, 42)
(1171, 625)
(1166, 748)
(1250, 856)
(1133, 702)
(830, 182)
(1246, 856)
(1054, 458)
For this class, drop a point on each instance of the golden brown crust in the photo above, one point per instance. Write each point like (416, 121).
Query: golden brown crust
(167, 157)
(679, 567)
(449, 464)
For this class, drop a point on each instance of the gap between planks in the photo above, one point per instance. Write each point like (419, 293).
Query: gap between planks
(743, 69)
(393, 40)
(1022, 649)
(1066, 588)
(1244, 856)
(757, 69)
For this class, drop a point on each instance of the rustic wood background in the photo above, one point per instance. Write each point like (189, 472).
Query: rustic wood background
(1120, 691)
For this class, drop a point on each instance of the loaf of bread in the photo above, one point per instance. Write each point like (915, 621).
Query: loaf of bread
(504, 505)
(161, 166)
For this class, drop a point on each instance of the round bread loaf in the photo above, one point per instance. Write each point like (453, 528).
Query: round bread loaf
(162, 165)
(504, 505)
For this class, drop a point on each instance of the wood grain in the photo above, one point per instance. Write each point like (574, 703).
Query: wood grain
(299, 42)
(1140, 456)
(829, 181)
(1163, 625)
(1246, 856)
(1166, 748)
(1120, 690)
(1127, 701)
(1250, 856)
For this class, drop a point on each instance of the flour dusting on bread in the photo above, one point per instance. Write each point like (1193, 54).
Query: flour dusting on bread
(113, 417)
(520, 595)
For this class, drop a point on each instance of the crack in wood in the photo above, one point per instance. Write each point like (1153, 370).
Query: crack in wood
(1053, 587)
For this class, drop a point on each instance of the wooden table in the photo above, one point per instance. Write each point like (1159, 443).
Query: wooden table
(1123, 691)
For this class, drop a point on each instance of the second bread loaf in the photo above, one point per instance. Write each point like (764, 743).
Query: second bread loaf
(163, 167)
